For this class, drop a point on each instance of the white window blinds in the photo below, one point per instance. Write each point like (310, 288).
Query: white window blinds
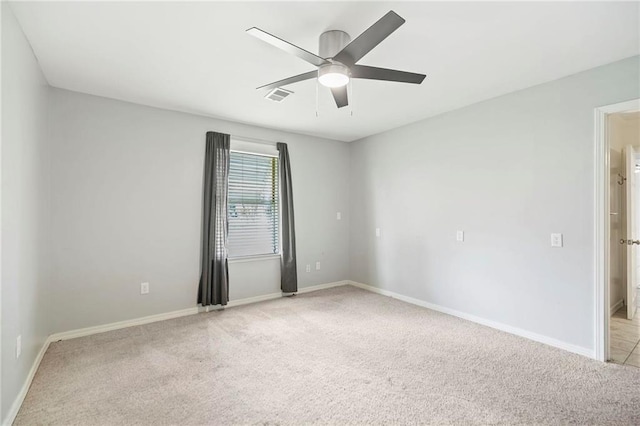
(253, 205)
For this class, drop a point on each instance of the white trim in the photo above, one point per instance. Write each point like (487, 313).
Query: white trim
(17, 403)
(616, 306)
(601, 237)
(601, 224)
(259, 154)
(249, 300)
(245, 146)
(626, 106)
(271, 296)
(253, 140)
(489, 323)
(72, 334)
(309, 289)
(256, 258)
(81, 332)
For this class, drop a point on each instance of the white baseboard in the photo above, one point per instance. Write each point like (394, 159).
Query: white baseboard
(489, 323)
(255, 299)
(239, 302)
(616, 306)
(271, 296)
(17, 403)
(81, 332)
(15, 407)
(322, 286)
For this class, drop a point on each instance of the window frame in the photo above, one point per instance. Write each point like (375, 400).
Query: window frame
(266, 256)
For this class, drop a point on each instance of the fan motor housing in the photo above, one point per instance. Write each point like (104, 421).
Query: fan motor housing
(332, 42)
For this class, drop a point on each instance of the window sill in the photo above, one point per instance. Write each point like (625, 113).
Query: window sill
(253, 258)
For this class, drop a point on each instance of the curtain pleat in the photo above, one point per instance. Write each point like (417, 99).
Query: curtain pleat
(214, 278)
(288, 269)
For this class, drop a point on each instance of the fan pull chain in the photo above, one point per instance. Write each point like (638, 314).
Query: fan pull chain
(351, 97)
(317, 83)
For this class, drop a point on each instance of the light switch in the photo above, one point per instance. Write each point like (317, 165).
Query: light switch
(459, 235)
(556, 240)
(338, 216)
(377, 232)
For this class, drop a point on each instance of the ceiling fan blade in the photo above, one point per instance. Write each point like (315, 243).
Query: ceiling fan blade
(369, 39)
(373, 73)
(340, 96)
(287, 47)
(306, 76)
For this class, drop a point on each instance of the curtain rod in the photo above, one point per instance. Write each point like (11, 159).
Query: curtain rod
(247, 139)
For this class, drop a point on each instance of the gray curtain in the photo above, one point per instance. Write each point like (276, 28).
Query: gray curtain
(214, 278)
(288, 270)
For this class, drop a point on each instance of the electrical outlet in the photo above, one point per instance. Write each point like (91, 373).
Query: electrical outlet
(144, 288)
(460, 236)
(377, 232)
(556, 240)
(338, 216)
(308, 269)
(18, 346)
(317, 266)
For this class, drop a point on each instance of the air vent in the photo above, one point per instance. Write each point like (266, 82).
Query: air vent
(278, 94)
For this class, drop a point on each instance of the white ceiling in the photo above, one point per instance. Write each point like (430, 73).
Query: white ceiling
(195, 57)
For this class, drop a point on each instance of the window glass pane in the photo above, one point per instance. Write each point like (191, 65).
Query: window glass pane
(253, 205)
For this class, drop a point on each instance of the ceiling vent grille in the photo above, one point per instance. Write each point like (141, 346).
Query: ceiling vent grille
(278, 94)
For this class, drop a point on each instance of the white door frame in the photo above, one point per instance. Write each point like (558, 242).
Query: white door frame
(602, 207)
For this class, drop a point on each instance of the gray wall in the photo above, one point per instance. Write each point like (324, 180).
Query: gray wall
(127, 181)
(508, 171)
(25, 208)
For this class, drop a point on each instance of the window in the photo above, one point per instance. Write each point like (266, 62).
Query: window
(253, 205)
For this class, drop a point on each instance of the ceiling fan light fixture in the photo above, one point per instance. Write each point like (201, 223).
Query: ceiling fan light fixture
(333, 75)
(338, 56)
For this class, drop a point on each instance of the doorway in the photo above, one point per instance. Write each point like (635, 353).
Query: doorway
(617, 238)
(623, 133)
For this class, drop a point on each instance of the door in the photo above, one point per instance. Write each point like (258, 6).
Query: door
(631, 231)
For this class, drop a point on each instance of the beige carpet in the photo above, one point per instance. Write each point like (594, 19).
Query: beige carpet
(337, 356)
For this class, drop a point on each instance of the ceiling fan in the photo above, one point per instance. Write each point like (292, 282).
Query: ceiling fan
(338, 55)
